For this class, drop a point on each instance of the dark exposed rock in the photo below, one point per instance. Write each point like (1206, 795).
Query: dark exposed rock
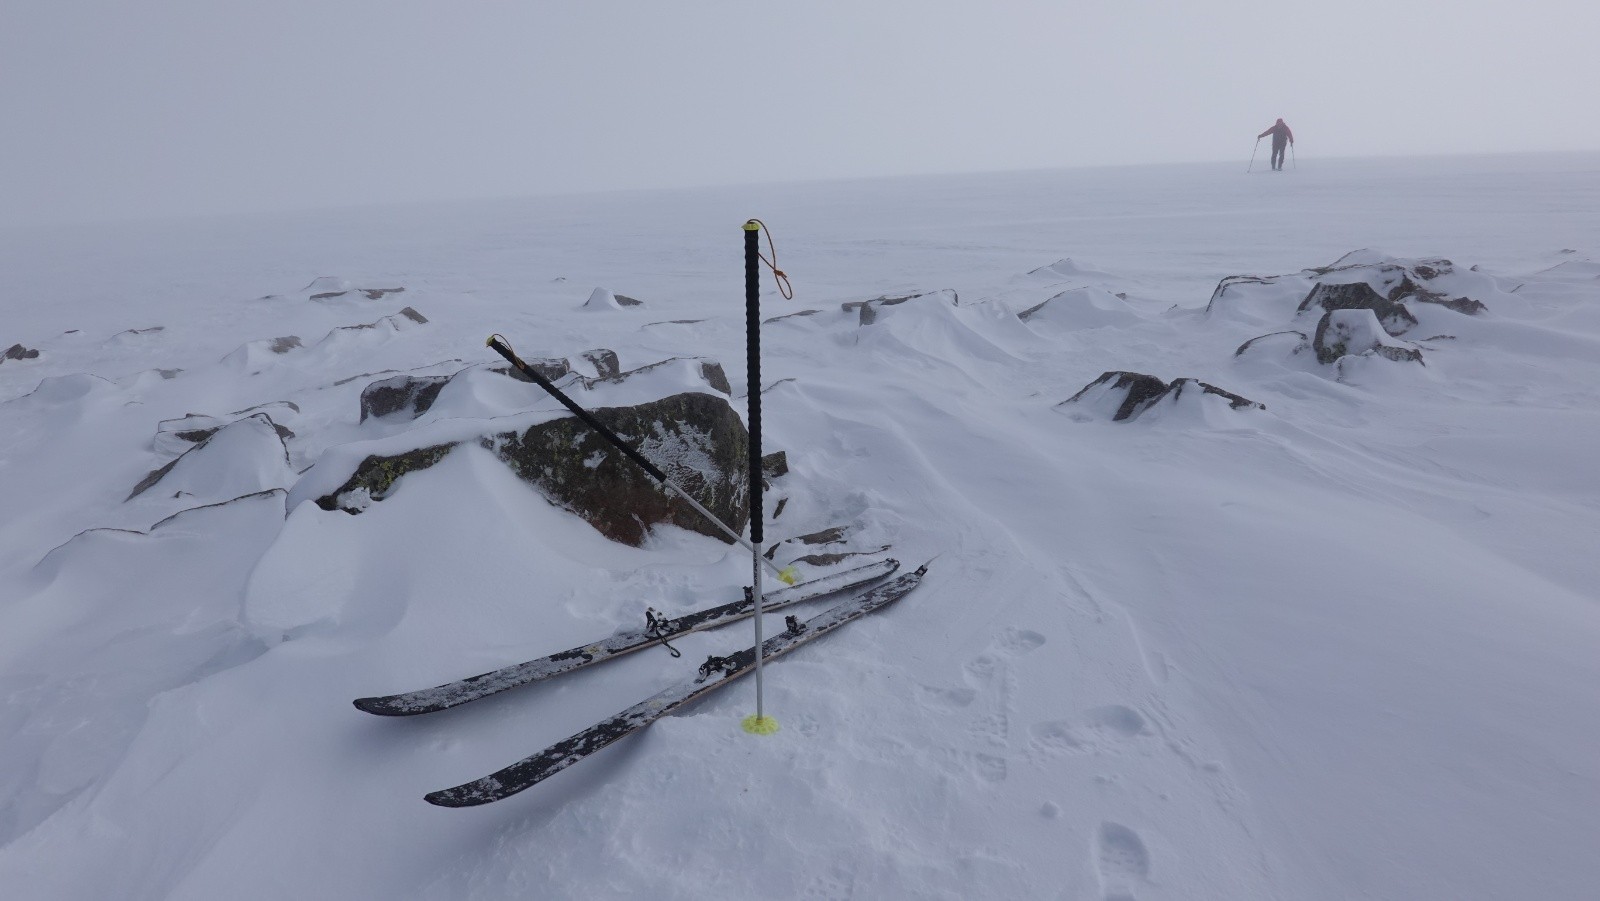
(1341, 335)
(834, 535)
(1395, 280)
(285, 344)
(18, 352)
(411, 394)
(801, 313)
(1392, 315)
(1399, 354)
(697, 439)
(1235, 401)
(775, 464)
(826, 536)
(369, 293)
(830, 559)
(1135, 392)
(376, 475)
(606, 364)
(151, 479)
(602, 299)
(712, 372)
(1410, 290)
(1141, 391)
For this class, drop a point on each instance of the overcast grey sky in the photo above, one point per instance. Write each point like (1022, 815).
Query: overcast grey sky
(127, 109)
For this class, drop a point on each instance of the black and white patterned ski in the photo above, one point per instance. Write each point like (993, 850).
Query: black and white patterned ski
(656, 631)
(715, 673)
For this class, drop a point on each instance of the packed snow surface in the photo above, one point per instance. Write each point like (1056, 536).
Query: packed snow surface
(1346, 645)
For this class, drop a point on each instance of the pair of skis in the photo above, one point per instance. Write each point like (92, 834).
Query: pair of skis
(716, 672)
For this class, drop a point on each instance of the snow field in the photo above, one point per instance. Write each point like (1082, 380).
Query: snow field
(1342, 646)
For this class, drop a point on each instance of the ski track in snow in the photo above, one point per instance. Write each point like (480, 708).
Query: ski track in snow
(1340, 647)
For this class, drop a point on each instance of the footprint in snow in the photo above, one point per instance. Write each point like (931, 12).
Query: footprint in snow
(1121, 860)
(1103, 729)
(1118, 720)
(1015, 642)
(1009, 644)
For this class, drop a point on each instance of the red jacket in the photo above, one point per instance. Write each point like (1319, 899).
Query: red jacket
(1280, 133)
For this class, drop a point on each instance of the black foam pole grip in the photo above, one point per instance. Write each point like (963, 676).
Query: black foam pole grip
(752, 307)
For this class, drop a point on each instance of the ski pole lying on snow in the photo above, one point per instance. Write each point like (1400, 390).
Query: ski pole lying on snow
(500, 346)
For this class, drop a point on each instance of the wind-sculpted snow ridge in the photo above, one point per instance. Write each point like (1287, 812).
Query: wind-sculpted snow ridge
(1069, 268)
(602, 299)
(1082, 308)
(256, 356)
(332, 288)
(102, 648)
(243, 457)
(1364, 306)
(1122, 396)
(72, 392)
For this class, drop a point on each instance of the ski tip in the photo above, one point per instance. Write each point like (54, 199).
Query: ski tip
(475, 793)
(379, 707)
(450, 798)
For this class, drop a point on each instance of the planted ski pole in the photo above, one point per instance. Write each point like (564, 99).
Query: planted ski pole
(1292, 160)
(760, 723)
(503, 348)
(1253, 155)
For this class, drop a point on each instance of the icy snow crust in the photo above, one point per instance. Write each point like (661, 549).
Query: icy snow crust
(1343, 646)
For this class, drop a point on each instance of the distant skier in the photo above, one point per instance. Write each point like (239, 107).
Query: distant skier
(1281, 136)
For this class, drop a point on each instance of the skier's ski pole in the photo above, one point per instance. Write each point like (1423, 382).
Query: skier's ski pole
(760, 724)
(500, 346)
(1292, 160)
(1253, 155)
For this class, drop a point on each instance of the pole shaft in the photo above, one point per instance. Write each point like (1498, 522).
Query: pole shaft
(752, 310)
